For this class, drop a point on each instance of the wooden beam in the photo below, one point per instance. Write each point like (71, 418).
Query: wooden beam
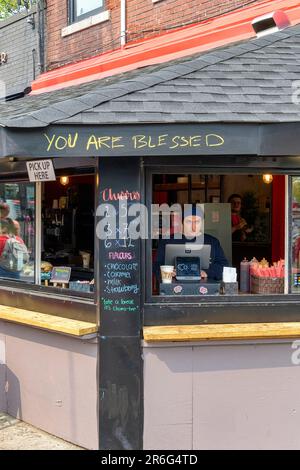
(223, 332)
(46, 322)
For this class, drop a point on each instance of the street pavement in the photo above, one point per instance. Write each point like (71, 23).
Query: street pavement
(17, 435)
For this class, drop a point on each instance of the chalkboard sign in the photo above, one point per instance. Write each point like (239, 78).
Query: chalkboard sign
(188, 268)
(120, 355)
(120, 254)
(61, 275)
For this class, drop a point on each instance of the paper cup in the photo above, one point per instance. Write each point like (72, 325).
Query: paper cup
(166, 274)
(85, 259)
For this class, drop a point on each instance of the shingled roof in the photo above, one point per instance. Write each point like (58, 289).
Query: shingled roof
(250, 81)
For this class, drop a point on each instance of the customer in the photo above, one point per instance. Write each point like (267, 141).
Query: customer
(4, 213)
(13, 252)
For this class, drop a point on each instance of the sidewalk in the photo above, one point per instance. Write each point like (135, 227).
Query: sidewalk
(16, 435)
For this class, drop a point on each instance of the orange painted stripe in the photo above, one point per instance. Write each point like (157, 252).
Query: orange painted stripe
(189, 40)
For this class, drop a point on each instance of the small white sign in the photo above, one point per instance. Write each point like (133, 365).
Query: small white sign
(41, 170)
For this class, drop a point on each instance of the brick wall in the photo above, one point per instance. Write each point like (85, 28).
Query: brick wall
(20, 42)
(144, 19)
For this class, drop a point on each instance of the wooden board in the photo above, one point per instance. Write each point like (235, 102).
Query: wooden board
(46, 322)
(222, 332)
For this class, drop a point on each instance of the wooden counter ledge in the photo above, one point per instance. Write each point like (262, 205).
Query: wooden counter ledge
(46, 322)
(223, 332)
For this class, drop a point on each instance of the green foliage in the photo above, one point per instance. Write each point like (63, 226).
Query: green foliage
(10, 7)
(296, 189)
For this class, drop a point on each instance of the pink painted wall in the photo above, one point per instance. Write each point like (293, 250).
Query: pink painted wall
(3, 402)
(52, 382)
(234, 396)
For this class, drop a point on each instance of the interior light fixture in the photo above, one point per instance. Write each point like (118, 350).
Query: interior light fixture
(267, 179)
(64, 180)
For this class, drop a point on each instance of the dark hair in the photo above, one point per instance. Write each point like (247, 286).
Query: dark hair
(8, 225)
(4, 207)
(234, 196)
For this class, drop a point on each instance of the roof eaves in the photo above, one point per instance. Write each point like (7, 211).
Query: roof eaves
(63, 111)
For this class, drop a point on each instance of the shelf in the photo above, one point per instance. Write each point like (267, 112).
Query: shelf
(182, 187)
(47, 322)
(228, 332)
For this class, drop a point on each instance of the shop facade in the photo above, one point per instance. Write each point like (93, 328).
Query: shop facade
(160, 371)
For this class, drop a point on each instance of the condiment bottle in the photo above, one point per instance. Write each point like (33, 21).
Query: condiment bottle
(253, 263)
(245, 276)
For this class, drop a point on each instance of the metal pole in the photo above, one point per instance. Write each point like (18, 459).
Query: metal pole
(38, 232)
(123, 23)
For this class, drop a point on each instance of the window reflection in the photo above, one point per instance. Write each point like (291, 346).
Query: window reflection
(296, 234)
(17, 229)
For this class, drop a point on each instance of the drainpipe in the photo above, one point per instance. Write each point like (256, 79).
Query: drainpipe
(123, 23)
(41, 12)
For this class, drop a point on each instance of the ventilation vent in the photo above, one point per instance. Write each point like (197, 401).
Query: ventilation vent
(270, 23)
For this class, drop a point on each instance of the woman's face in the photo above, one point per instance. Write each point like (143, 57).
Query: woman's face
(236, 204)
(3, 229)
(4, 212)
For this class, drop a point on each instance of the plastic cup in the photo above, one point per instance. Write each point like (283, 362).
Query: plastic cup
(166, 274)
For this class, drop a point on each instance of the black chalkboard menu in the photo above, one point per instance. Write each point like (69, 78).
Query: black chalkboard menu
(119, 252)
(120, 355)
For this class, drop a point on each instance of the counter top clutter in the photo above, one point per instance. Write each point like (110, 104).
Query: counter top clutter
(259, 277)
(62, 277)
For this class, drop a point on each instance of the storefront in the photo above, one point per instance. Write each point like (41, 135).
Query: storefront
(178, 367)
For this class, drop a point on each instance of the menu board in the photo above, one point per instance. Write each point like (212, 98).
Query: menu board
(120, 253)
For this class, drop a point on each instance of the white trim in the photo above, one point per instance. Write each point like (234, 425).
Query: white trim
(86, 23)
(287, 237)
(268, 31)
(155, 1)
(38, 232)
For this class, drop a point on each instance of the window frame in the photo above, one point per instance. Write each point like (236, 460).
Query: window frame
(226, 309)
(74, 18)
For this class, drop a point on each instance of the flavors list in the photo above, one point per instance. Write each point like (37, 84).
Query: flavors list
(121, 262)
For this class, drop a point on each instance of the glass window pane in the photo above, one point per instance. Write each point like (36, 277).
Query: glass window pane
(68, 227)
(241, 220)
(17, 231)
(296, 234)
(84, 6)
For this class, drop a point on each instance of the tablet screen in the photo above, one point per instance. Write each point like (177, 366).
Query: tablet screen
(188, 267)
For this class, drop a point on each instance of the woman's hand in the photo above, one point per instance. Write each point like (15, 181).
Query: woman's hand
(249, 229)
(242, 224)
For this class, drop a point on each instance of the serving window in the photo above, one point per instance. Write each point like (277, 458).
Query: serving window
(47, 233)
(67, 228)
(221, 236)
(17, 231)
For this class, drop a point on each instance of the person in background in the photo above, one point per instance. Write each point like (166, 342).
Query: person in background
(240, 228)
(4, 213)
(192, 229)
(13, 251)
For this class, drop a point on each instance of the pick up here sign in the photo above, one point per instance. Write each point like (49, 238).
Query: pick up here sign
(40, 170)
